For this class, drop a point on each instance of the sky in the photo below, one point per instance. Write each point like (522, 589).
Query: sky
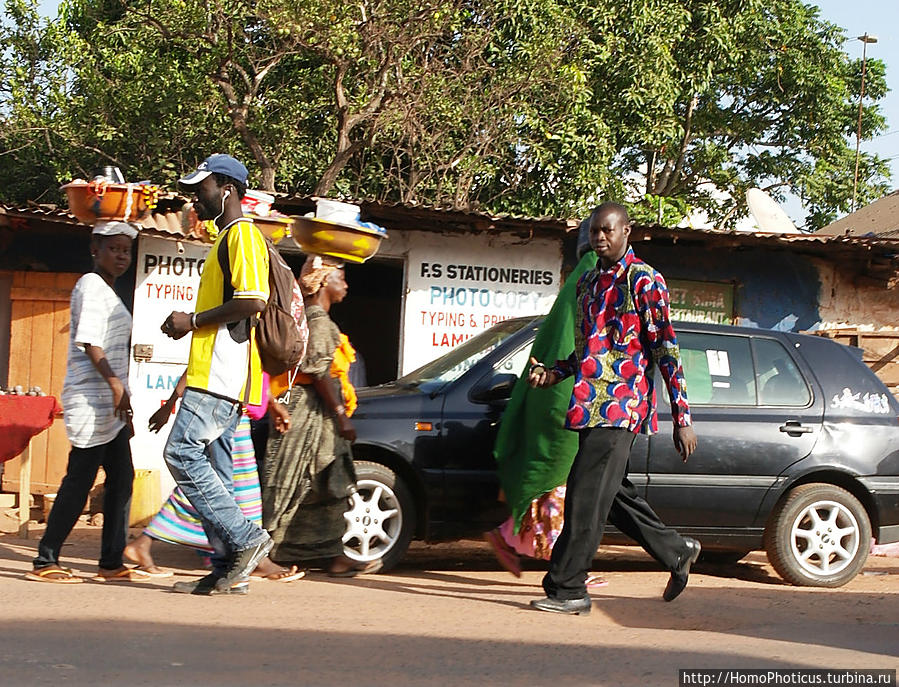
(879, 18)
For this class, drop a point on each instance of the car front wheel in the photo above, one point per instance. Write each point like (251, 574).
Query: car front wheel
(381, 518)
(818, 536)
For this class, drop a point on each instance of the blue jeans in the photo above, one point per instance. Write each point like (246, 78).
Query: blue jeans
(198, 453)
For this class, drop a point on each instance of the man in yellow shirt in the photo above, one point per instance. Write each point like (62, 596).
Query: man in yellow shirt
(223, 372)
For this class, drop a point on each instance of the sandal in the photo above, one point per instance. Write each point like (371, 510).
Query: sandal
(286, 575)
(594, 581)
(123, 574)
(53, 573)
(504, 553)
(369, 568)
(153, 571)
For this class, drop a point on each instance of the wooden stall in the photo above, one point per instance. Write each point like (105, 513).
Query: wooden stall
(39, 337)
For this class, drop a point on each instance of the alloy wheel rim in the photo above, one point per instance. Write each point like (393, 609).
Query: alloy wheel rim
(824, 538)
(373, 522)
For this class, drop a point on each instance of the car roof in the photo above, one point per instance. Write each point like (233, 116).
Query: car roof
(713, 328)
(709, 327)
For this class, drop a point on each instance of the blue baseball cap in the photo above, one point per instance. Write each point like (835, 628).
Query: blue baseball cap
(218, 163)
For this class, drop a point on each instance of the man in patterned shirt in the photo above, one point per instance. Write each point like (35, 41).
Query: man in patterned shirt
(622, 328)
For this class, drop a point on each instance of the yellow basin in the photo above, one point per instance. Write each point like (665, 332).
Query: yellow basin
(342, 241)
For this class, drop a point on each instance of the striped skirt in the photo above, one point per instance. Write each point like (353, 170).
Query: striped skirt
(178, 523)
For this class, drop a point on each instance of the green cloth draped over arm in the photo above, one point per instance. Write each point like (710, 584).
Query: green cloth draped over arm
(533, 449)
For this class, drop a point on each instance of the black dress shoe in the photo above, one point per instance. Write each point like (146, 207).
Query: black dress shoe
(678, 580)
(569, 606)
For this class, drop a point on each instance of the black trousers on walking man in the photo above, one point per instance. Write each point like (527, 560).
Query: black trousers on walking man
(597, 491)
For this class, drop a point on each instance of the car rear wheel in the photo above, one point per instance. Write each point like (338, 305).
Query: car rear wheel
(818, 536)
(381, 518)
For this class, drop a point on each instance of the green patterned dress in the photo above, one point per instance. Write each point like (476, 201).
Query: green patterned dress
(308, 472)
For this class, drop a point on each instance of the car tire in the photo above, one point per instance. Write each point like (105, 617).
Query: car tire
(381, 519)
(818, 536)
(715, 557)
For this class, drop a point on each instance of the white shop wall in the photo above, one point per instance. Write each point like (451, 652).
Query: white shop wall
(456, 287)
(459, 285)
(167, 276)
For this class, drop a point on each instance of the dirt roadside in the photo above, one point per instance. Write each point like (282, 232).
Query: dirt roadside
(447, 616)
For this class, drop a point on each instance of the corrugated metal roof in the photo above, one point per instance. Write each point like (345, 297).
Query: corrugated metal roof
(166, 219)
(880, 218)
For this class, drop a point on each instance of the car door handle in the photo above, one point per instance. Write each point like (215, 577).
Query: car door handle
(795, 427)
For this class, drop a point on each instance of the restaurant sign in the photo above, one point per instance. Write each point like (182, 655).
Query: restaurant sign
(702, 301)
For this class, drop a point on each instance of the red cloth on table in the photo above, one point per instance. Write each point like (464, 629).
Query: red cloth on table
(22, 417)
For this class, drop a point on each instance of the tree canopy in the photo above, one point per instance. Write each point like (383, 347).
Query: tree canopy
(533, 107)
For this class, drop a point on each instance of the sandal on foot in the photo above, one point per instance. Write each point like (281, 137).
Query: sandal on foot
(285, 575)
(123, 574)
(153, 571)
(369, 568)
(594, 581)
(54, 574)
(504, 553)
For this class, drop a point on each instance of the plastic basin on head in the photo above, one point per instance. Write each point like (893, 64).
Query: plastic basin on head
(342, 241)
(125, 202)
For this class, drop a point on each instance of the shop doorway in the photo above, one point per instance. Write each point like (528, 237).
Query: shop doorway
(371, 316)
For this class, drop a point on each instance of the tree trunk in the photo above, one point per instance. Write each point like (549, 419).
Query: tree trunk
(237, 111)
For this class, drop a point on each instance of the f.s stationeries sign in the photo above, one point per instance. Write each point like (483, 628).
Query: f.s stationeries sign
(458, 287)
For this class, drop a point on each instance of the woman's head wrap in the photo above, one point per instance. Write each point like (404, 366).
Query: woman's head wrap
(114, 227)
(315, 271)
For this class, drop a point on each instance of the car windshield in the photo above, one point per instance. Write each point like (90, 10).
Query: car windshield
(434, 375)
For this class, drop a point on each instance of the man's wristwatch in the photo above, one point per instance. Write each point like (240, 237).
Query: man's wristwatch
(538, 368)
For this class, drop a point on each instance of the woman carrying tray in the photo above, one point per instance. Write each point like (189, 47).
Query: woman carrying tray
(97, 412)
(308, 471)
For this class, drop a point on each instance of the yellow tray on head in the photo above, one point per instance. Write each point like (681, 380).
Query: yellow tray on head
(91, 202)
(343, 241)
(276, 227)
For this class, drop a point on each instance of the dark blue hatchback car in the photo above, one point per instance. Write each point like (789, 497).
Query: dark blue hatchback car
(798, 451)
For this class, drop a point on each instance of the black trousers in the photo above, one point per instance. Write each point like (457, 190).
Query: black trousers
(259, 431)
(598, 490)
(115, 457)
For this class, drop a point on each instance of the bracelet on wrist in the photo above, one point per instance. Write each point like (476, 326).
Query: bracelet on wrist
(538, 368)
(340, 410)
(193, 321)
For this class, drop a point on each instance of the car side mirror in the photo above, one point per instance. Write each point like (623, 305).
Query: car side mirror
(493, 389)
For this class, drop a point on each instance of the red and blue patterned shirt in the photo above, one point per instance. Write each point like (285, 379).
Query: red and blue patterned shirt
(622, 327)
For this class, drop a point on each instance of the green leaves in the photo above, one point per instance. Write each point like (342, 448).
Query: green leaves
(539, 107)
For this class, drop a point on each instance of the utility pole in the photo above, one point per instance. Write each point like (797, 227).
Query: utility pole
(858, 135)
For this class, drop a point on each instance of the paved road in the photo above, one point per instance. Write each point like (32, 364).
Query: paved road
(448, 616)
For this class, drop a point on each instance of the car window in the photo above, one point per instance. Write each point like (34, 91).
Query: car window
(718, 369)
(779, 381)
(436, 374)
(516, 363)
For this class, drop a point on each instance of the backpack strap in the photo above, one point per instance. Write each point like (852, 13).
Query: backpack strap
(240, 331)
(225, 265)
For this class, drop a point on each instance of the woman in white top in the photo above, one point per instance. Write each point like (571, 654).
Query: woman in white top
(97, 411)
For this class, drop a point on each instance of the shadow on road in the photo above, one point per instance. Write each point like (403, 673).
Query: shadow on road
(135, 653)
